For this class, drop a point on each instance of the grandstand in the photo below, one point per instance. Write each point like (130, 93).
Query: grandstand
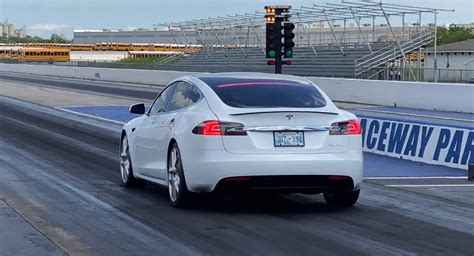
(329, 62)
(367, 57)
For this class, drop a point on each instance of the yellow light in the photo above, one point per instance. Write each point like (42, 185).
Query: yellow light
(270, 19)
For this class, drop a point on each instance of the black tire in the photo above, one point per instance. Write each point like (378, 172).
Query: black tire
(179, 195)
(342, 198)
(126, 168)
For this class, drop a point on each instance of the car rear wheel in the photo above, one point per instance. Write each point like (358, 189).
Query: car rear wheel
(342, 198)
(179, 195)
(126, 169)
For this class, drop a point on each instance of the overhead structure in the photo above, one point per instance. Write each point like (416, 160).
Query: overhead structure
(244, 30)
(328, 13)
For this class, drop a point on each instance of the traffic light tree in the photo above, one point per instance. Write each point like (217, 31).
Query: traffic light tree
(279, 36)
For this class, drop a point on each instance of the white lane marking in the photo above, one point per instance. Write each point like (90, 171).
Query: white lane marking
(91, 116)
(86, 106)
(415, 177)
(409, 114)
(429, 185)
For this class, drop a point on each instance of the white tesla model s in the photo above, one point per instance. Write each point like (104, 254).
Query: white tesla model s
(244, 131)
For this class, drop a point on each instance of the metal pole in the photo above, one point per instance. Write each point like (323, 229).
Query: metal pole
(373, 28)
(419, 64)
(172, 35)
(218, 40)
(436, 45)
(360, 30)
(202, 41)
(278, 45)
(396, 40)
(343, 37)
(186, 39)
(247, 37)
(320, 33)
(403, 25)
(237, 39)
(418, 27)
(184, 35)
(307, 35)
(333, 34)
(257, 37)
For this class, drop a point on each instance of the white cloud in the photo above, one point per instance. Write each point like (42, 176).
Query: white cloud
(48, 27)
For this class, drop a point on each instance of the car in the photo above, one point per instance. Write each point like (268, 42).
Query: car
(231, 132)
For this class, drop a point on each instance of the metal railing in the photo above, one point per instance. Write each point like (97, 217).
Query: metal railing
(421, 74)
(392, 53)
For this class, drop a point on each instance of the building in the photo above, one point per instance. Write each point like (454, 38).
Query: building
(21, 33)
(455, 62)
(8, 30)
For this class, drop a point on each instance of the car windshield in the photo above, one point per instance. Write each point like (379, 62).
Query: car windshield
(265, 93)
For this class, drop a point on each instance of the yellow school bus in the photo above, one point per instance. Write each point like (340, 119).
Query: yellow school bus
(42, 54)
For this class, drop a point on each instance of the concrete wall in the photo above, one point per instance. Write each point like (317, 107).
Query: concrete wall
(150, 77)
(429, 96)
(418, 95)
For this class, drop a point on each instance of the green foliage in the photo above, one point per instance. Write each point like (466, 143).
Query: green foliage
(29, 39)
(140, 60)
(453, 34)
(55, 38)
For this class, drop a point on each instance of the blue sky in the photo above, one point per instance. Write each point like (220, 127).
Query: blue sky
(44, 17)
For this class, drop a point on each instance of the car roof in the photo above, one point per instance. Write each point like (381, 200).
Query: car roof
(250, 75)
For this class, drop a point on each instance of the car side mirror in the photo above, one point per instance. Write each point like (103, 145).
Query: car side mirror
(138, 108)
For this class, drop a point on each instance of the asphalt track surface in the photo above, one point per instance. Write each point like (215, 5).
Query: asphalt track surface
(60, 173)
(115, 89)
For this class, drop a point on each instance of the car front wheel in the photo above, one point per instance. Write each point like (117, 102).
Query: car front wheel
(126, 169)
(342, 198)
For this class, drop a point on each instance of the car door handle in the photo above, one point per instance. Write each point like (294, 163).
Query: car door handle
(172, 121)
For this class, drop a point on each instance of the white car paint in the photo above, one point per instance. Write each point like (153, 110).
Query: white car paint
(209, 159)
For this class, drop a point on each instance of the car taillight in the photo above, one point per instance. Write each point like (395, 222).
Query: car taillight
(216, 128)
(351, 127)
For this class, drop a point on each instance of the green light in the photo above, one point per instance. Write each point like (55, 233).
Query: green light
(271, 54)
(289, 53)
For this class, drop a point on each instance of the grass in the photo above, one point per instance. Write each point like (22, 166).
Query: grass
(140, 61)
(151, 61)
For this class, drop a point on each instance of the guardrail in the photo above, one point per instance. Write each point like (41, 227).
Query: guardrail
(418, 95)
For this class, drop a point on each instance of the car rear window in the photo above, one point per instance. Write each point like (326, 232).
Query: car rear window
(265, 93)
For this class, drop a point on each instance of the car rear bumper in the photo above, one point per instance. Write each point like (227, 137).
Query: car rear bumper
(209, 170)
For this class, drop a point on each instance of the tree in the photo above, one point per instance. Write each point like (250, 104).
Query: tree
(55, 38)
(35, 39)
(453, 34)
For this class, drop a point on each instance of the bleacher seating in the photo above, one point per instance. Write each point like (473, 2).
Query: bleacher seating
(329, 62)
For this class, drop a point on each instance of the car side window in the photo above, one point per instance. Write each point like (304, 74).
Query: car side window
(180, 97)
(160, 102)
(194, 96)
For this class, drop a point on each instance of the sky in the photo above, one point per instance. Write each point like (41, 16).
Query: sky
(44, 17)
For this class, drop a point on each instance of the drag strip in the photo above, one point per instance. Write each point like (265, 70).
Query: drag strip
(102, 88)
(60, 173)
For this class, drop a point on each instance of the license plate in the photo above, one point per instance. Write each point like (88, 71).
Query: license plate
(288, 139)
